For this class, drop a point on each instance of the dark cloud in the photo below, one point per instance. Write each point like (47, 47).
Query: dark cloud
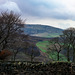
(41, 9)
(44, 9)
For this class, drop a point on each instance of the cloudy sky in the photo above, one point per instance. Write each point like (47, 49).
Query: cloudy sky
(57, 13)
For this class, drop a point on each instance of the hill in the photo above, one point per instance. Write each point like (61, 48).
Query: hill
(42, 30)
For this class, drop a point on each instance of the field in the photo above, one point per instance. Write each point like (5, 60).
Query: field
(46, 35)
(43, 46)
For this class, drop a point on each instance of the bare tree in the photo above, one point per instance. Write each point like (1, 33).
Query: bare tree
(30, 46)
(11, 33)
(18, 44)
(56, 46)
(10, 25)
(32, 52)
(69, 42)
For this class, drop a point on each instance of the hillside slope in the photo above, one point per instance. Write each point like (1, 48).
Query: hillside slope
(42, 30)
(43, 46)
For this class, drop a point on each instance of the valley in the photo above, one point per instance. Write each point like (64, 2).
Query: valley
(39, 35)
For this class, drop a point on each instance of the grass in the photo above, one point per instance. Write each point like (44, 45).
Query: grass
(53, 55)
(43, 46)
(52, 35)
(47, 35)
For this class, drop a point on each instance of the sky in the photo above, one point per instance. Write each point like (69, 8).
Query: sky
(56, 13)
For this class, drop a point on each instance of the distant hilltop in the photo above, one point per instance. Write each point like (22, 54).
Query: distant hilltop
(42, 30)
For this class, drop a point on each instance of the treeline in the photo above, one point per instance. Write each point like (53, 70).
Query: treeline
(12, 37)
(66, 42)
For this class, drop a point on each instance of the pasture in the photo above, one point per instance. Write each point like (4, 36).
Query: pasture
(43, 46)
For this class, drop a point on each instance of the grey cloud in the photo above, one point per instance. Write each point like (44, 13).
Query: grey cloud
(10, 6)
(41, 9)
(64, 25)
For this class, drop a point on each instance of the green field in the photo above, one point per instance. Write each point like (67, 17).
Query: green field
(47, 35)
(43, 46)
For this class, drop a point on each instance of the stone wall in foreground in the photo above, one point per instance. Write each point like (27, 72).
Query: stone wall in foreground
(23, 68)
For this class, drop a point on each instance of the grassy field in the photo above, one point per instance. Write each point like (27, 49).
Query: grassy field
(47, 35)
(43, 46)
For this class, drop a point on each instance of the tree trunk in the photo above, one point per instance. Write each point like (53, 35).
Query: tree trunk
(73, 55)
(68, 57)
(58, 56)
(32, 58)
(14, 57)
(4, 45)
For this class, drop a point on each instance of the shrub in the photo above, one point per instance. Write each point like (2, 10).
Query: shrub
(4, 54)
